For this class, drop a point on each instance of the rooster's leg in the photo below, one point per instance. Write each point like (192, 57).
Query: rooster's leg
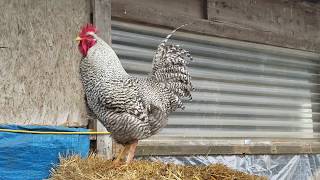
(132, 150)
(122, 153)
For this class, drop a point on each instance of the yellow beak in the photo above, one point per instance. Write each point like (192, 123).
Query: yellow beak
(78, 38)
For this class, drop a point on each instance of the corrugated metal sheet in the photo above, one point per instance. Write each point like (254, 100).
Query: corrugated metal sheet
(243, 90)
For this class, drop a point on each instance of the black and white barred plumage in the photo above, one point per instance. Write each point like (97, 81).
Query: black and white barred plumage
(135, 108)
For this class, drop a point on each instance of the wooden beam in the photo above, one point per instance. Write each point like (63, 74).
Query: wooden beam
(126, 10)
(102, 18)
(291, 18)
(205, 9)
(190, 8)
(101, 10)
(225, 149)
(179, 148)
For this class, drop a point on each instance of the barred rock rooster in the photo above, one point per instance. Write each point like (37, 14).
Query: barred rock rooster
(132, 108)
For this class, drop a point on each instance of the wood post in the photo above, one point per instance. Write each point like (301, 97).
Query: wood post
(102, 18)
(101, 12)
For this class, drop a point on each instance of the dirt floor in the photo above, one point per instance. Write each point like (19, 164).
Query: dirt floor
(94, 168)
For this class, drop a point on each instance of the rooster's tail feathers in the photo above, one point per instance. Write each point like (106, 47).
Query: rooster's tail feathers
(170, 68)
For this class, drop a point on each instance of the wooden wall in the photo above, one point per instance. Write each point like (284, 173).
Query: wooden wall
(286, 23)
(39, 59)
(39, 80)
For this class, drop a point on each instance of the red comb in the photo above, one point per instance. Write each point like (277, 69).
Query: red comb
(88, 28)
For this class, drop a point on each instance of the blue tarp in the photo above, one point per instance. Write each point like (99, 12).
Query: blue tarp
(31, 156)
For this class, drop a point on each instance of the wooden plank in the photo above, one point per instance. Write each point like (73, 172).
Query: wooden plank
(291, 18)
(102, 20)
(39, 68)
(191, 8)
(277, 148)
(205, 9)
(219, 27)
(104, 143)
(92, 123)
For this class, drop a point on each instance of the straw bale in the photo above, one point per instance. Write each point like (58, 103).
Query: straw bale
(95, 167)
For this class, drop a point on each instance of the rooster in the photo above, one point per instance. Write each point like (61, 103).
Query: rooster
(132, 108)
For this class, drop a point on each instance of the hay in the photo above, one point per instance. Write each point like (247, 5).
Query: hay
(95, 167)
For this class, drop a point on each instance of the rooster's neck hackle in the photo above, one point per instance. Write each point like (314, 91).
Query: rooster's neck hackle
(102, 57)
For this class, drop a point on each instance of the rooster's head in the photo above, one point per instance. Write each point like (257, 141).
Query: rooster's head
(86, 39)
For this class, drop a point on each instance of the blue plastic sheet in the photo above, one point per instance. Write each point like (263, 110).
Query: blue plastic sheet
(31, 156)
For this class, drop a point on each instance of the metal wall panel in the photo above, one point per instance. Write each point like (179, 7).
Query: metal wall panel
(243, 90)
